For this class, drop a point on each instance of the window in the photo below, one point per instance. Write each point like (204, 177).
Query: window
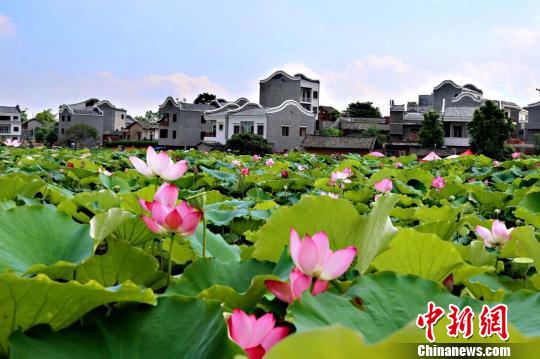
(306, 94)
(302, 131)
(174, 134)
(15, 129)
(285, 131)
(203, 134)
(164, 120)
(221, 126)
(122, 116)
(315, 109)
(236, 129)
(4, 129)
(63, 118)
(203, 120)
(4, 118)
(163, 133)
(174, 117)
(15, 118)
(247, 126)
(69, 118)
(307, 106)
(457, 131)
(62, 131)
(315, 95)
(260, 130)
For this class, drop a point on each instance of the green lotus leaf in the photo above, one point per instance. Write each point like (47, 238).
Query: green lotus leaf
(120, 263)
(18, 184)
(25, 302)
(236, 284)
(216, 246)
(40, 235)
(531, 202)
(177, 327)
(528, 216)
(103, 224)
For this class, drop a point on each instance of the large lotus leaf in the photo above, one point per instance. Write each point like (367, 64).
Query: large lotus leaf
(488, 199)
(215, 245)
(97, 202)
(476, 254)
(226, 178)
(121, 262)
(523, 244)
(390, 301)
(103, 224)
(523, 309)
(338, 218)
(222, 213)
(237, 284)
(434, 214)
(421, 254)
(340, 342)
(135, 231)
(528, 216)
(40, 235)
(531, 202)
(25, 302)
(177, 327)
(14, 185)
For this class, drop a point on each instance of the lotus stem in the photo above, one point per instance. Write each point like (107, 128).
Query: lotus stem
(169, 260)
(204, 235)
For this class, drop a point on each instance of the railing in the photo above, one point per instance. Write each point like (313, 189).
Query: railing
(305, 99)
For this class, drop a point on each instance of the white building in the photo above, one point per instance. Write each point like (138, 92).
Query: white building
(10, 123)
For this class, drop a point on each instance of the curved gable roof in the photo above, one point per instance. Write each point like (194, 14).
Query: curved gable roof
(445, 82)
(287, 103)
(296, 77)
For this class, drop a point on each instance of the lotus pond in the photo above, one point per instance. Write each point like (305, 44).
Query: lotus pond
(210, 255)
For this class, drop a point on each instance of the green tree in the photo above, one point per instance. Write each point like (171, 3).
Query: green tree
(46, 117)
(363, 109)
(248, 144)
(149, 117)
(432, 133)
(489, 130)
(52, 136)
(79, 133)
(374, 131)
(331, 132)
(537, 143)
(24, 115)
(204, 98)
(334, 114)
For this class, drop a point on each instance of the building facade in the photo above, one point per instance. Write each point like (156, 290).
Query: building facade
(29, 129)
(10, 123)
(455, 105)
(280, 87)
(107, 119)
(283, 126)
(182, 125)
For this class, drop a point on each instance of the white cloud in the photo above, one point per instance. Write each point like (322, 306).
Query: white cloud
(519, 36)
(184, 85)
(7, 28)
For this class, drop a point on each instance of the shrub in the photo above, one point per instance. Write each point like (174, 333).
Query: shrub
(248, 144)
(331, 132)
(79, 133)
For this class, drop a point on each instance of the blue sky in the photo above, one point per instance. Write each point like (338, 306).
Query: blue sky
(135, 53)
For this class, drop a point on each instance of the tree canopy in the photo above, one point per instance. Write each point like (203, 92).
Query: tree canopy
(432, 133)
(489, 130)
(204, 98)
(46, 117)
(363, 109)
(149, 117)
(79, 133)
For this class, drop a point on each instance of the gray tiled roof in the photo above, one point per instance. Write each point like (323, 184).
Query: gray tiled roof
(363, 143)
(361, 126)
(250, 112)
(9, 109)
(422, 151)
(413, 116)
(93, 111)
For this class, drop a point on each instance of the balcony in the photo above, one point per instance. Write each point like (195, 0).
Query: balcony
(457, 141)
(305, 99)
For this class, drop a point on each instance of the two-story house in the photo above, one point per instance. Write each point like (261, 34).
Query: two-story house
(107, 119)
(280, 87)
(10, 123)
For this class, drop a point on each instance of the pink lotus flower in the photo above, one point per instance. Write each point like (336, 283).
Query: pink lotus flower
(313, 257)
(298, 284)
(384, 186)
(255, 336)
(497, 237)
(166, 216)
(516, 155)
(104, 171)
(438, 182)
(376, 154)
(496, 163)
(12, 143)
(398, 165)
(160, 165)
(330, 194)
(341, 176)
(244, 171)
(270, 162)
(256, 158)
(301, 168)
(236, 163)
